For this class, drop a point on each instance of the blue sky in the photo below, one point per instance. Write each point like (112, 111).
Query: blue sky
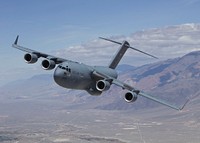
(48, 25)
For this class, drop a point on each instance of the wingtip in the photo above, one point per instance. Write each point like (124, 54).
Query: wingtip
(181, 108)
(16, 41)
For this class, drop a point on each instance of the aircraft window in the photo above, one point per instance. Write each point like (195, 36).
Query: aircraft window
(65, 68)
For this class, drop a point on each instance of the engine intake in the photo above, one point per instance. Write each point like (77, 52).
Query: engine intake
(130, 97)
(48, 64)
(30, 58)
(102, 85)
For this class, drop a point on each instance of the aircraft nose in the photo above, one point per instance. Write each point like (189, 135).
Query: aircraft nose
(58, 75)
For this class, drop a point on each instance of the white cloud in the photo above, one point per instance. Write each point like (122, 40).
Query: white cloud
(167, 42)
(95, 52)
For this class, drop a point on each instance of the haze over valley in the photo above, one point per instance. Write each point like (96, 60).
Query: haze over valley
(34, 109)
(38, 110)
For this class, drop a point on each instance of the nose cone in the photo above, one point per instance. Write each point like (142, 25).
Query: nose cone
(58, 76)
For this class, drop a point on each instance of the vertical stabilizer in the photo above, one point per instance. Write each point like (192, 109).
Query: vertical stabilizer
(115, 61)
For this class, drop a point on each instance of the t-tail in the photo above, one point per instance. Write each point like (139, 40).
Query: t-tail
(124, 46)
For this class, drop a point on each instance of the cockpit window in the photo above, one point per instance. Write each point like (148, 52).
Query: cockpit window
(65, 68)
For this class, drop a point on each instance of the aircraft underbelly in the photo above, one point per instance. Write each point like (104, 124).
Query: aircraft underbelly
(75, 82)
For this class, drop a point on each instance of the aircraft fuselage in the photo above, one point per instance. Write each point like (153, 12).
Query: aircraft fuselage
(74, 75)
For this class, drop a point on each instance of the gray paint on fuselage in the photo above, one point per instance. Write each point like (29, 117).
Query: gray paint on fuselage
(77, 78)
(76, 75)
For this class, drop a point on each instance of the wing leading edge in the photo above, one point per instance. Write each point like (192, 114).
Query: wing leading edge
(39, 54)
(138, 92)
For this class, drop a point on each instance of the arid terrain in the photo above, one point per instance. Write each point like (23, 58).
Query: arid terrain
(38, 110)
(28, 121)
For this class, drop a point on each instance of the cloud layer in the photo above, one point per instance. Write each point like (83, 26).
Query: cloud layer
(167, 42)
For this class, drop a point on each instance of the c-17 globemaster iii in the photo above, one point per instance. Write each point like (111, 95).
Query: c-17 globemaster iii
(93, 79)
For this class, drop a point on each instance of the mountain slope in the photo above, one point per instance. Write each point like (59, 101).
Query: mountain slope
(174, 80)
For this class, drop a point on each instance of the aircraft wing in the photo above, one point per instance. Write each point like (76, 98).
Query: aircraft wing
(39, 54)
(138, 92)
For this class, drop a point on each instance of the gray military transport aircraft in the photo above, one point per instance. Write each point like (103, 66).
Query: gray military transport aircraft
(93, 79)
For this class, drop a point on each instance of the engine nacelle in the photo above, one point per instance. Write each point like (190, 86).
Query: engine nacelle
(102, 85)
(130, 97)
(30, 58)
(48, 64)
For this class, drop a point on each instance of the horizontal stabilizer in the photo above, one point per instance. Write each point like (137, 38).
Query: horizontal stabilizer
(129, 47)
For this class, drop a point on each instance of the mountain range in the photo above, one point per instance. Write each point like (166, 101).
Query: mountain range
(38, 110)
(174, 80)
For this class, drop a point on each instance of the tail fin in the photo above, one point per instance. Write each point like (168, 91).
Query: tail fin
(124, 46)
(115, 61)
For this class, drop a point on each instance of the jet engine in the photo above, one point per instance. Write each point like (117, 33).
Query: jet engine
(30, 58)
(102, 85)
(130, 96)
(48, 64)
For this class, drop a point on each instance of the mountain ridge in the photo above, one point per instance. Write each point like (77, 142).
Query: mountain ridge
(179, 78)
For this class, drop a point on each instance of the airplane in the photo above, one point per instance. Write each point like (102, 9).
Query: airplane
(93, 79)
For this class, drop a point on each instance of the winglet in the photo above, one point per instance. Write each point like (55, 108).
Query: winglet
(184, 104)
(16, 41)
